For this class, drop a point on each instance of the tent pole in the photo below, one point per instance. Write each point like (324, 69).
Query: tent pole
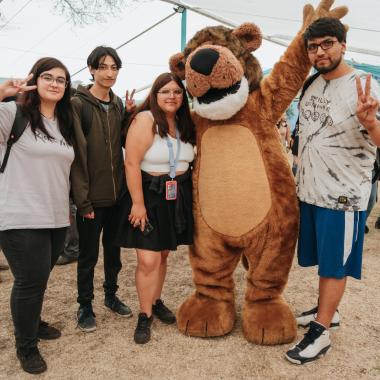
(183, 29)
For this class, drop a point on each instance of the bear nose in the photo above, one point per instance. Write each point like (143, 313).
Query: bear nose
(204, 60)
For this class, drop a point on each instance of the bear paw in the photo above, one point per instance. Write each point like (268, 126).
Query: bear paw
(205, 317)
(269, 322)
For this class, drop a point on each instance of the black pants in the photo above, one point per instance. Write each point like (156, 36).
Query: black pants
(31, 255)
(89, 236)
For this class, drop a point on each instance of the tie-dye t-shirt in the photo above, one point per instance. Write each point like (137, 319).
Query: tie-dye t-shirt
(336, 154)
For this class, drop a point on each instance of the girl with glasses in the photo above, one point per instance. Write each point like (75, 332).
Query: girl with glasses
(156, 215)
(34, 196)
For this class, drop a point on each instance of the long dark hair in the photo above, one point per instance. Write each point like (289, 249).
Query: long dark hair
(30, 101)
(184, 122)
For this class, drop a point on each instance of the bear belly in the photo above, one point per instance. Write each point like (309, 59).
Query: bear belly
(233, 188)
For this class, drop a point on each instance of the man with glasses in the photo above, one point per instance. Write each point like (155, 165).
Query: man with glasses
(97, 177)
(338, 133)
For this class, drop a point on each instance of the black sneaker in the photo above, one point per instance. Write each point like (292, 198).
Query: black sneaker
(64, 259)
(142, 332)
(31, 360)
(316, 343)
(86, 318)
(117, 306)
(304, 319)
(377, 223)
(163, 313)
(47, 332)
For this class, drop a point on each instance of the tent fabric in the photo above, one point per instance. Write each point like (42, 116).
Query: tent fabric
(281, 20)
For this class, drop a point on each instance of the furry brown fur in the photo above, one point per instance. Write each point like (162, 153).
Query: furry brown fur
(244, 194)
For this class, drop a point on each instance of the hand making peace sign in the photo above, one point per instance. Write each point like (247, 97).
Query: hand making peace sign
(367, 106)
(12, 87)
(130, 104)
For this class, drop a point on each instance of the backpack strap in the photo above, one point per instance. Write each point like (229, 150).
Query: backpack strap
(18, 128)
(305, 86)
(120, 106)
(308, 83)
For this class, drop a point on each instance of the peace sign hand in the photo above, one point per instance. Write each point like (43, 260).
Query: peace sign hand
(12, 87)
(367, 106)
(130, 104)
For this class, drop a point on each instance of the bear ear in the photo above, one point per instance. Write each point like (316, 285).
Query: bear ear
(177, 65)
(249, 35)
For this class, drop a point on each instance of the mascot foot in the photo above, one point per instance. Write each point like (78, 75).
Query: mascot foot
(205, 317)
(269, 322)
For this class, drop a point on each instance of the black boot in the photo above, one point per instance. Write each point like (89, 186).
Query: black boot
(47, 332)
(163, 313)
(31, 360)
(142, 332)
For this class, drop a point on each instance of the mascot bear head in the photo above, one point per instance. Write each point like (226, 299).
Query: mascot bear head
(219, 69)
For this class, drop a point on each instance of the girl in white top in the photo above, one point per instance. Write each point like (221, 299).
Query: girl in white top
(34, 196)
(157, 215)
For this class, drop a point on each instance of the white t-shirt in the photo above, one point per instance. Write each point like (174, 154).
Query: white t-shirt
(34, 188)
(336, 154)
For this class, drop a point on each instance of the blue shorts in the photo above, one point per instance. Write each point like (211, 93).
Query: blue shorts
(331, 239)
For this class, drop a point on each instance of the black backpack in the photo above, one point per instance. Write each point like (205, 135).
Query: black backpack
(18, 128)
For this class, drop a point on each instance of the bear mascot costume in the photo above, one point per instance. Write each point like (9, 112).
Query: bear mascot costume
(244, 199)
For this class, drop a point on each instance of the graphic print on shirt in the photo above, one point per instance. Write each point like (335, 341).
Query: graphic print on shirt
(336, 153)
(42, 137)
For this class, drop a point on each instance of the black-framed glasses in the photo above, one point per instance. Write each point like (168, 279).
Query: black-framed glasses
(325, 45)
(49, 79)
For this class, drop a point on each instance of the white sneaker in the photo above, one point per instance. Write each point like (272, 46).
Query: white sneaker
(306, 317)
(316, 343)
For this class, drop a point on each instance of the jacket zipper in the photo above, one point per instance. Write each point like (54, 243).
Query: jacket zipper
(112, 169)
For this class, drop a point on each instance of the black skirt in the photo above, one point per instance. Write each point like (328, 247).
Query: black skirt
(172, 221)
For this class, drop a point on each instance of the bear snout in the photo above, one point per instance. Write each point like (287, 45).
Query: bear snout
(212, 67)
(204, 60)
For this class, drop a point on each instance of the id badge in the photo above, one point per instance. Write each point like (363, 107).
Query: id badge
(171, 190)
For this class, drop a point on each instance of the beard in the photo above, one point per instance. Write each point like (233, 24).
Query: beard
(328, 69)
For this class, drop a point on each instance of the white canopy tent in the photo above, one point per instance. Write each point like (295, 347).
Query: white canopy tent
(280, 20)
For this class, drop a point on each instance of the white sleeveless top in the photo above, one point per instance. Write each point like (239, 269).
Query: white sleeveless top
(156, 158)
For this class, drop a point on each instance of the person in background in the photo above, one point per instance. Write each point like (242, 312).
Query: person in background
(284, 131)
(156, 215)
(71, 248)
(34, 217)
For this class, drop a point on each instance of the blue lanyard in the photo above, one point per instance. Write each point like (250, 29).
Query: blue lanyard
(173, 162)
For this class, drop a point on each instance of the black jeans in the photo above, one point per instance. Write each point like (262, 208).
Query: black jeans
(89, 236)
(31, 255)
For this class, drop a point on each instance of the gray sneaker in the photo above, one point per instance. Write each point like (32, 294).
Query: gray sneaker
(86, 318)
(120, 308)
(304, 319)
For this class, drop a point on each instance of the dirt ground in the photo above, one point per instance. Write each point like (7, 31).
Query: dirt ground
(110, 352)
